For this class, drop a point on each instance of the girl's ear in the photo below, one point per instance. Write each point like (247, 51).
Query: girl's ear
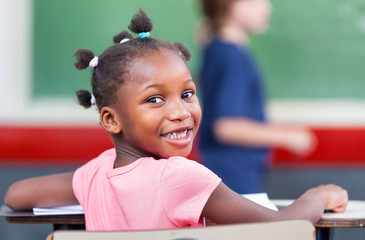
(110, 120)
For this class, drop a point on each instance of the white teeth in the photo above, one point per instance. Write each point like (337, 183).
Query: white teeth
(176, 136)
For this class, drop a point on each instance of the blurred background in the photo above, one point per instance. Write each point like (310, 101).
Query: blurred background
(312, 58)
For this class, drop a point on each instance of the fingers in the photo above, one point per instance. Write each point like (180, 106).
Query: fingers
(337, 197)
(340, 208)
(303, 142)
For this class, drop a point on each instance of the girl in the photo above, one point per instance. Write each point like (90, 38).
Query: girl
(235, 135)
(147, 102)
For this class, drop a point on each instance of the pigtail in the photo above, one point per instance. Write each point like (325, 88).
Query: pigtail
(119, 38)
(83, 58)
(85, 98)
(140, 23)
(183, 50)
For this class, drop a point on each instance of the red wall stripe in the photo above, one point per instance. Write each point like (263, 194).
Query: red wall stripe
(336, 146)
(72, 144)
(65, 144)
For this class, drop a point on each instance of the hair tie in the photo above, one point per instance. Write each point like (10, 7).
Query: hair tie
(93, 100)
(144, 34)
(94, 62)
(124, 40)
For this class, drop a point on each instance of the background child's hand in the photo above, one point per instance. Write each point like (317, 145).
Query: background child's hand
(301, 141)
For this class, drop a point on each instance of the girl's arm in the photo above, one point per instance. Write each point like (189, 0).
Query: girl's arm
(45, 191)
(225, 206)
(244, 131)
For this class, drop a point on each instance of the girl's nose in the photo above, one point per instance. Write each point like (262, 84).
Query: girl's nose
(178, 111)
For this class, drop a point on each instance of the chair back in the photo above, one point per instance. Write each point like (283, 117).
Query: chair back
(282, 230)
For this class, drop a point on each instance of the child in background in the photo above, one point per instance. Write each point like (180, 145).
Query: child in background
(148, 103)
(235, 135)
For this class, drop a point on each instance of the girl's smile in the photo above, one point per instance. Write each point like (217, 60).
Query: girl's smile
(181, 137)
(158, 100)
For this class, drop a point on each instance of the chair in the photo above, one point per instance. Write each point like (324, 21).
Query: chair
(283, 230)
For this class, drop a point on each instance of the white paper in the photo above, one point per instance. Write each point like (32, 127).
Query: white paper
(261, 199)
(62, 210)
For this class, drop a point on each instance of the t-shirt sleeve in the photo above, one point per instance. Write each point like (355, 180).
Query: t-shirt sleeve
(185, 188)
(83, 176)
(233, 94)
(79, 182)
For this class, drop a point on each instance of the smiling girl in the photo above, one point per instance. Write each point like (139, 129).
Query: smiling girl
(147, 102)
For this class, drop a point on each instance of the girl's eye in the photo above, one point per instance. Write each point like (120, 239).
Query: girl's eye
(187, 94)
(154, 100)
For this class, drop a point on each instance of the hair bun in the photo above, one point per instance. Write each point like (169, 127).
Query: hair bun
(140, 23)
(183, 50)
(84, 98)
(123, 35)
(83, 58)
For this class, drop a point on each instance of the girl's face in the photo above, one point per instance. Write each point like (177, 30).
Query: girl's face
(158, 106)
(251, 15)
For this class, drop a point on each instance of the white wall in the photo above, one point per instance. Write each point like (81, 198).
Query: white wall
(16, 103)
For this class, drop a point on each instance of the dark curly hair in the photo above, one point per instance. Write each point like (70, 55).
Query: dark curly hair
(114, 63)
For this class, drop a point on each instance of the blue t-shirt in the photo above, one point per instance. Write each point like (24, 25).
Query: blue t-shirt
(231, 87)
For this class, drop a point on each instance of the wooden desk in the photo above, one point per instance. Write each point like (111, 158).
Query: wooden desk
(354, 217)
(75, 221)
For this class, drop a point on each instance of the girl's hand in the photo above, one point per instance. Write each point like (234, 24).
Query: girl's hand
(335, 197)
(338, 197)
(314, 201)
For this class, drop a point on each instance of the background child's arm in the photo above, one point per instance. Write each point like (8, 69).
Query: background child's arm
(45, 191)
(244, 131)
(226, 206)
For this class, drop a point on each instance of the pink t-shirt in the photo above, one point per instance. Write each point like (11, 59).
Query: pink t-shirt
(146, 194)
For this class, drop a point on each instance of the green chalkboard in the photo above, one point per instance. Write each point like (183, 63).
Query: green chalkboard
(62, 27)
(314, 49)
